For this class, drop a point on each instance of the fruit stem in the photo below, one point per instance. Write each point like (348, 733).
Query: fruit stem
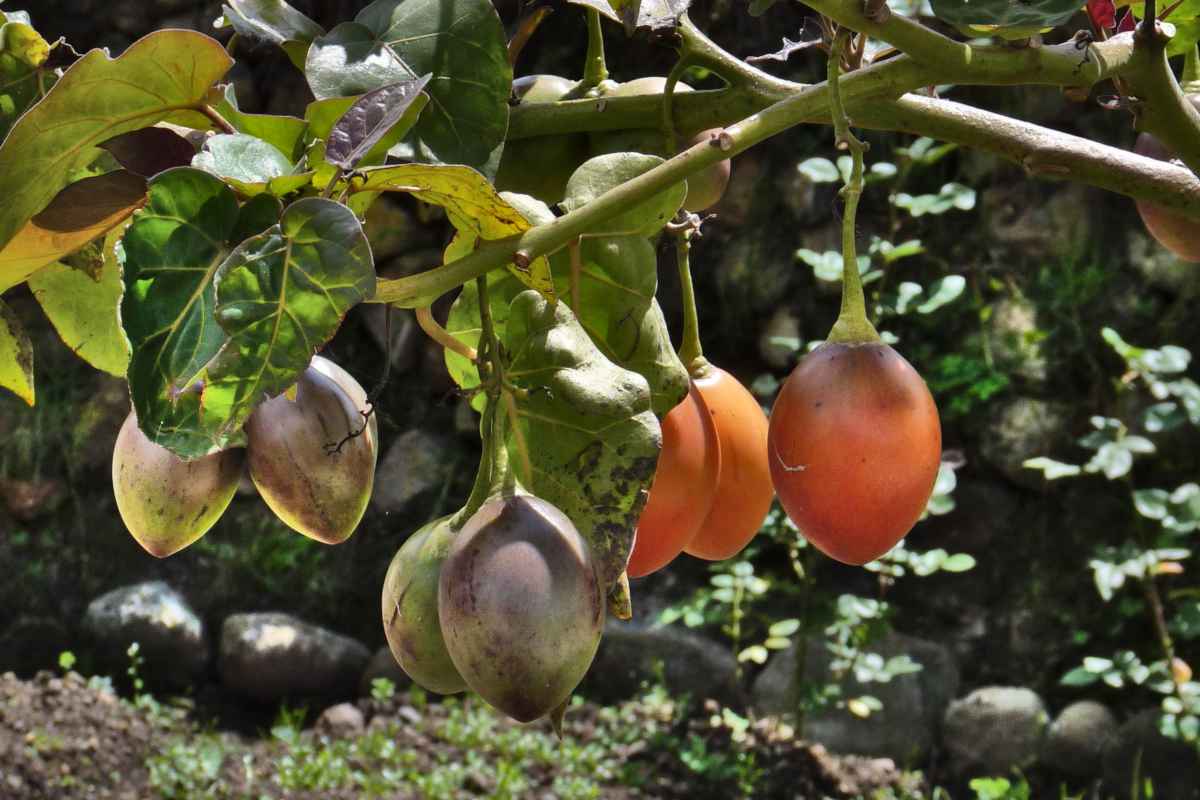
(497, 388)
(691, 353)
(852, 325)
(442, 336)
(481, 489)
(670, 135)
(594, 68)
(215, 117)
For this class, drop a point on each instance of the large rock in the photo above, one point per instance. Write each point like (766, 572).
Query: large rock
(272, 656)
(1022, 428)
(1138, 748)
(1075, 741)
(904, 730)
(631, 655)
(1016, 340)
(415, 465)
(993, 730)
(169, 634)
(382, 665)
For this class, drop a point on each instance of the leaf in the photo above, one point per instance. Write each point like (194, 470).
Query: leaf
(20, 87)
(1079, 677)
(159, 78)
(785, 627)
(942, 291)
(906, 293)
(280, 296)
(283, 132)
(462, 43)
(246, 162)
(172, 251)
(85, 312)
(78, 214)
(597, 175)
(959, 562)
(19, 40)
(149, 151)
(16, 356)
(951, 196)
(373, 116)
(472, 205)
(352, 60)
(1052, 469)
(617, 307)
(819, 170)
(756, 653)
(591, 437)
(273, 21)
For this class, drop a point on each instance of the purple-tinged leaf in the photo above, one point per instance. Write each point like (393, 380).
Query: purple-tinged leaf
(149, 151)
(370, 119)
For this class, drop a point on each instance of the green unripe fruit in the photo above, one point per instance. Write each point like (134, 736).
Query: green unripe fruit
(165, 502)
(540, 165)
(410, 609)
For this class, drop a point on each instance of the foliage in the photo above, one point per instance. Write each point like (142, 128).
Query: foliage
(1150, 554)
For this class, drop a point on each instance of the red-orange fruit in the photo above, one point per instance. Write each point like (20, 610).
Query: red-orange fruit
(743, 494)
(1174, 231)
(684, 485)
(855, 445)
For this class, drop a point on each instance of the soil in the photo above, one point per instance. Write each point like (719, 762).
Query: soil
(65, 737)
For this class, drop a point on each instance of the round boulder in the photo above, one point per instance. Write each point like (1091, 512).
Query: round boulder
(1075, 741)
(993, 730)
(271, 656)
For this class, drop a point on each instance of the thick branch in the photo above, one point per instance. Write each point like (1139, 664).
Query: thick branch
(1162, 108)
(1044, 153)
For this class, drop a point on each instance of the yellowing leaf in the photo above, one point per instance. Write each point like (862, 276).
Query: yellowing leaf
(162, 77)
(78, 214)
(16, 356)
(86, 312)
(473, 206)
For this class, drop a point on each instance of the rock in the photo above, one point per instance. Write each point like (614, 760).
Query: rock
(169, 633)
(630, 656)
(1075, 741)
(414, 465)
(382, 665)
(1016, 340)
(341, 721)
(1022, 428)
(272, 656)
(905, 729)
(994, 730)
(1139, 748)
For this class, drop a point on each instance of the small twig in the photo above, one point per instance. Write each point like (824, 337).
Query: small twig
(442, 336)
(216, 118)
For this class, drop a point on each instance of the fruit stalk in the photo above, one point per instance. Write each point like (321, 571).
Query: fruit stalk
(852, 325)
(691, 353)
(594, 68)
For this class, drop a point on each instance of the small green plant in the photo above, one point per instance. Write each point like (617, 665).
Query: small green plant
(1159, 543)
(66, 660)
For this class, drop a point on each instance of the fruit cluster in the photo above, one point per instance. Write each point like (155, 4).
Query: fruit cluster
(309, 453)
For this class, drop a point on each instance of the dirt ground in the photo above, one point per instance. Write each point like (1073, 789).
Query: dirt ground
(64, 737)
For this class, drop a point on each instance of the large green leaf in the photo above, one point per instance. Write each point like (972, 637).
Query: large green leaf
(16, 356)
(471, 203)
(86, 311)
(163, 76)
(273, 21)
(617, 281)
(172, 252)
(460, 42)
(280, 296)
(597, 175)
(352, 59)
(1033, 14)
(78, 214)
(586, 426)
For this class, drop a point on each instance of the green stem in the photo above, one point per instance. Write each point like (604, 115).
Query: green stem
(852, 325)
(1164, 110)
(215, 117)
(481, 489)
(503, 481)
(594, 68)
(670, 135)
(691, 353)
